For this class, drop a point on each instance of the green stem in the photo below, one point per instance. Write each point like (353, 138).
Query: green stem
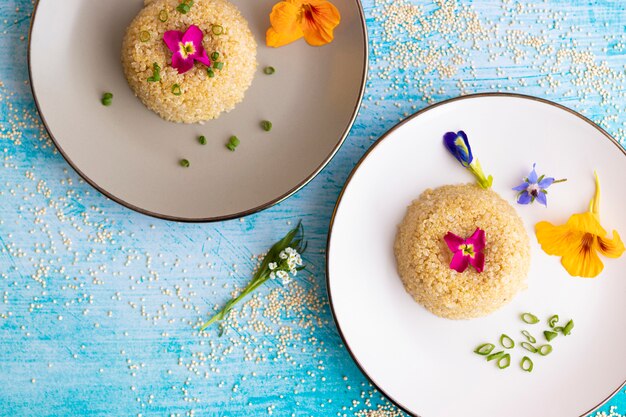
(558, 181)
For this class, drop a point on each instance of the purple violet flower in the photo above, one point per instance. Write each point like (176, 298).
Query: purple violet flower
(186, 48)
(534, 188)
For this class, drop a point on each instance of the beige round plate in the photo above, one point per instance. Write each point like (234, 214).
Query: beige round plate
(131, 155)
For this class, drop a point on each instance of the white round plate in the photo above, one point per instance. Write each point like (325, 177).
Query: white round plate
(132, 156)
(425, 364)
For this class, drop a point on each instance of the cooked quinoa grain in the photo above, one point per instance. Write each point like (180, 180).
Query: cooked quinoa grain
(423, 257)
(201, 97)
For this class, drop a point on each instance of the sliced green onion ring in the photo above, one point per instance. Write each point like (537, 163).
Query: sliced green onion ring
(484, 349)
(217, 29)
(568, 328)
(549, 335)
(552, 321)
(504, 361)
(528, 347)
(144, 36)
(526, 364)
(176, 90)
(496, 355)
(558, 329)
(163, 16)
(529, 318)
(544, 350)
(506, 342)
(529, 336)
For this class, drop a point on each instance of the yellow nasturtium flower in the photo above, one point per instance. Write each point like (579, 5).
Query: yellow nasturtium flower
(579, 240)
(293, 19)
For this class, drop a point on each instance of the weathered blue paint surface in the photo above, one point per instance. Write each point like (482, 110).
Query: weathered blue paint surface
(97, 303)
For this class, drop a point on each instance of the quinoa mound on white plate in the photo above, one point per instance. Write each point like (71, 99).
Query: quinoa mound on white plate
(423, 257)
(198, 94)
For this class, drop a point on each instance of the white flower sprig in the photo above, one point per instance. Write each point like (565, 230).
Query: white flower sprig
(282, 261)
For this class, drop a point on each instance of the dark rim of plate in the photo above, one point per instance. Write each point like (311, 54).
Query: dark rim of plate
(244, 213)
(355, 169)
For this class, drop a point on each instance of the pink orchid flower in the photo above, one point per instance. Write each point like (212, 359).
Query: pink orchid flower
(467, 251)
(186, 48)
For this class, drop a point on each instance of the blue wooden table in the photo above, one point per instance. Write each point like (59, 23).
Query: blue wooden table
(98, 303)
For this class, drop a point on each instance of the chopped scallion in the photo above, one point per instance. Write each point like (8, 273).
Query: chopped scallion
(156, 73)
(184, 6)
(568, 328)
(529, 336)
(176, 90)
(210, 72)
(526, 364)
(507, 342)
(552, 321)
(217, 29)
(484, 349)
(269, 70)
(528, 347)
(184, 163)
(549, 335)
(215, 56)
(144, 36)
(107, 99)
(544, 350)
(202, 140)
(504, 361)
(529, 318)
(233, 142)
(558, 329)
(218, 65)
(266, 125)
(163, 16)
(496, 355)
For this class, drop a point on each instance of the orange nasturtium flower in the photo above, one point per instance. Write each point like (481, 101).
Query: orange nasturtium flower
(578, 240)
(293, 19)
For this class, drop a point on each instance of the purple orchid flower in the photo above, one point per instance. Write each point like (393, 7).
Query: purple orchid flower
(186, 48)
(534, 188)
(467, 251)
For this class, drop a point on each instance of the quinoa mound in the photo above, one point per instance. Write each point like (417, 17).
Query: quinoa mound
(202, 97)
(423, 258)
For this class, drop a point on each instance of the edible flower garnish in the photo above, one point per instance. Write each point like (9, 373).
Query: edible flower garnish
(578, 240)
(282, 261)
(293, 19)
(467, 251)
(458, 145)
(186, 48)
(535, 188)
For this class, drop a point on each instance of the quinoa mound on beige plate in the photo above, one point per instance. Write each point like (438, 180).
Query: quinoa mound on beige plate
(423, 258)
(201, 97)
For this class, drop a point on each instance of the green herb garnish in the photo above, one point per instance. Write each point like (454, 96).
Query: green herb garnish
(281, 260)
(202, 140)
(506, 342)
(184, 163)
(215, 56)
(484, 349)
(526, 364)
(528, 347)
(544, 350)
(567, 330)
(218, 65)
(496, 355)
(266, 125)
(504, 361)
(210, 72)
(144, 36)
(233, 142)
(549, 335)
(529, 318)
(217, 29)
(269, 70)
(156, 73)
(176, 90)
(107, 99)
(185, 6)
(529, 336)
(552, 321)
(163, 16)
